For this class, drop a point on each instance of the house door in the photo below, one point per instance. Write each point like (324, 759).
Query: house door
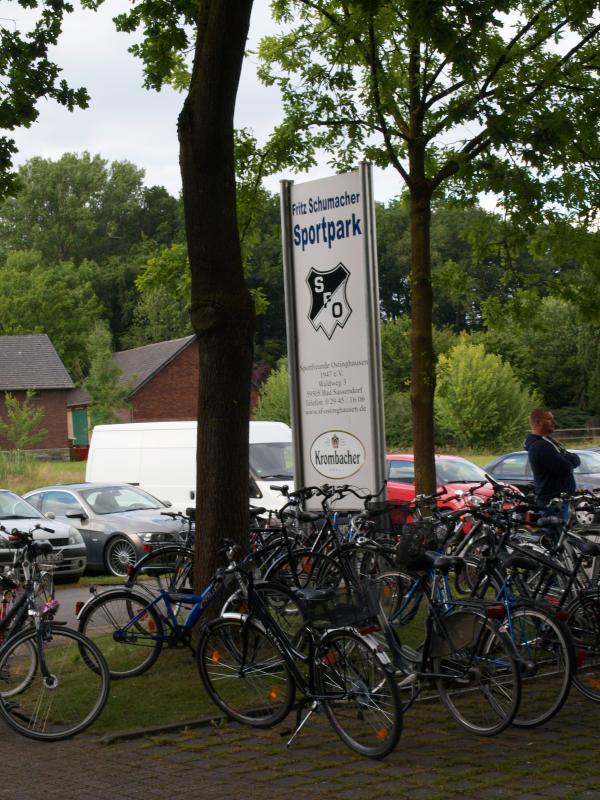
(80, 427)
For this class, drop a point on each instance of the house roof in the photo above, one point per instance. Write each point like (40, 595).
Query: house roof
(138, 365)
(31, 362)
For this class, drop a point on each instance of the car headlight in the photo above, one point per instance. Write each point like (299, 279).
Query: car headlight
(74, 536)
(156, 537)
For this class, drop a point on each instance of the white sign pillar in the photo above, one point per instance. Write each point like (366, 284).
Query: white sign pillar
(332, 316)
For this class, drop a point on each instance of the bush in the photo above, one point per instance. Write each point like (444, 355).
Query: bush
(274, 400)
(479, 401)
(398, 421)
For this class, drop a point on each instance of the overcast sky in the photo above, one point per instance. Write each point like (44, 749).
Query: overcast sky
(125, 121)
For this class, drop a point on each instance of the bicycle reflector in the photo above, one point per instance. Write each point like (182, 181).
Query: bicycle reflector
(495, 612)
(78, 606)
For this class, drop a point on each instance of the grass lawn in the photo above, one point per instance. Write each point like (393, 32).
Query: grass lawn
(42, 473)
(171, 691)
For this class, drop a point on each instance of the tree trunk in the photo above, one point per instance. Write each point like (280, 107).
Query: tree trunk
(423, 366)
(222, 309)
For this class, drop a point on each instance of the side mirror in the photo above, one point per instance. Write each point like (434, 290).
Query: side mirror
(192, 494)
(76, 515)
(50, 515)
(166, 503)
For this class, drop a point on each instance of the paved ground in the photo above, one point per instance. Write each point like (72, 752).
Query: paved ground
(434, 759)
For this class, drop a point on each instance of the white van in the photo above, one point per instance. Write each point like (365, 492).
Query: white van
(160, 457)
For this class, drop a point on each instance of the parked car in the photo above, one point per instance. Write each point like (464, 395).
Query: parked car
(69, 558)
(453, 472)
(514, 468)
(115, 520)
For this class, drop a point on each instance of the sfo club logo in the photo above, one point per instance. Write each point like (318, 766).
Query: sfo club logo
(329, 306)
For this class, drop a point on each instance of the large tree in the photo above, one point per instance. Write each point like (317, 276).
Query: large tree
(27, 73)
(463, 97)
(74, 208)
(56, 299)
(222, 309)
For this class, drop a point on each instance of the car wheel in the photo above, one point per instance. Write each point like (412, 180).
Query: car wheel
(119, 554)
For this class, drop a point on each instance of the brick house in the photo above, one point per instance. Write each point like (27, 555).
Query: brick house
(164, 380)
(31, 362)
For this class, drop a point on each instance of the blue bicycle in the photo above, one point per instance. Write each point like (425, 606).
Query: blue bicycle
(131, 626)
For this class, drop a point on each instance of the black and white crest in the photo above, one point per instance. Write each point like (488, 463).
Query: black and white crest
(329, 304)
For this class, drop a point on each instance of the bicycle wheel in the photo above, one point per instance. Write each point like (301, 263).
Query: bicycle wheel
(128, 631)
(57, 696)
(477, 673)
(584, 624)
(398, 596)
(359, 692)
(168, 568)
(308, 570)
(472, 576)
(20, 677)
(244, 673)
(546, 648)
(281, 605)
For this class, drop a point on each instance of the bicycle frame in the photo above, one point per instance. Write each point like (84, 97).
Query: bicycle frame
(199, 603)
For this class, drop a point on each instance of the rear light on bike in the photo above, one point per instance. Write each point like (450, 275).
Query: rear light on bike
(564, 615)
(552, 599)
(148, 547)
(495, 612)
(580, 658)
(369, 629)
(78, 606)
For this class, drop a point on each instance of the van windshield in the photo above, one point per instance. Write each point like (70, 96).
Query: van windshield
(272, 461)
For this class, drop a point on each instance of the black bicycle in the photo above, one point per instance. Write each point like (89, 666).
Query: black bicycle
(251, 668)
(53, 681)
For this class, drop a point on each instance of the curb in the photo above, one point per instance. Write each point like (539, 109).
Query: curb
(171, 727)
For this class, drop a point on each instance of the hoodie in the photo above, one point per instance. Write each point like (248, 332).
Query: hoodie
(552, 467)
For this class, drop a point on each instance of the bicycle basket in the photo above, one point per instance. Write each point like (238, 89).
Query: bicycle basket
(415, 540)
(350, 606)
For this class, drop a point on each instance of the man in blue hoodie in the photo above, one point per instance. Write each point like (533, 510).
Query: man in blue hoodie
(551, 464)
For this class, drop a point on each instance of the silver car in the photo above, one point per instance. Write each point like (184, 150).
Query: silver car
(69, 556)
(118, 522)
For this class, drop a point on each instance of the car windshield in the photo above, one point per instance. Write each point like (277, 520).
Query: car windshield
(14, 507)
(118, 499)
(458, 471)
(273, 460)
(447, 471)
(590, 463)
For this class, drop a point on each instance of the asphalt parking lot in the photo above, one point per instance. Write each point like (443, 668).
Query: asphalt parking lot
(435, 760)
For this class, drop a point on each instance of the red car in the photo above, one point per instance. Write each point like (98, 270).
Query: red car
(452, 472)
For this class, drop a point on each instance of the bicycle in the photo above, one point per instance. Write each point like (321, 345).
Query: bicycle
(466, 653)
(251, 670)
(131, 628)
(54, 682)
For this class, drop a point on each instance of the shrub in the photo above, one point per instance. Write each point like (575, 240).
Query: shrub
(479, 401)
(274, 400)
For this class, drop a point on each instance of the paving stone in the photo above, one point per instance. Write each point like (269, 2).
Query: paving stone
(435, 759)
